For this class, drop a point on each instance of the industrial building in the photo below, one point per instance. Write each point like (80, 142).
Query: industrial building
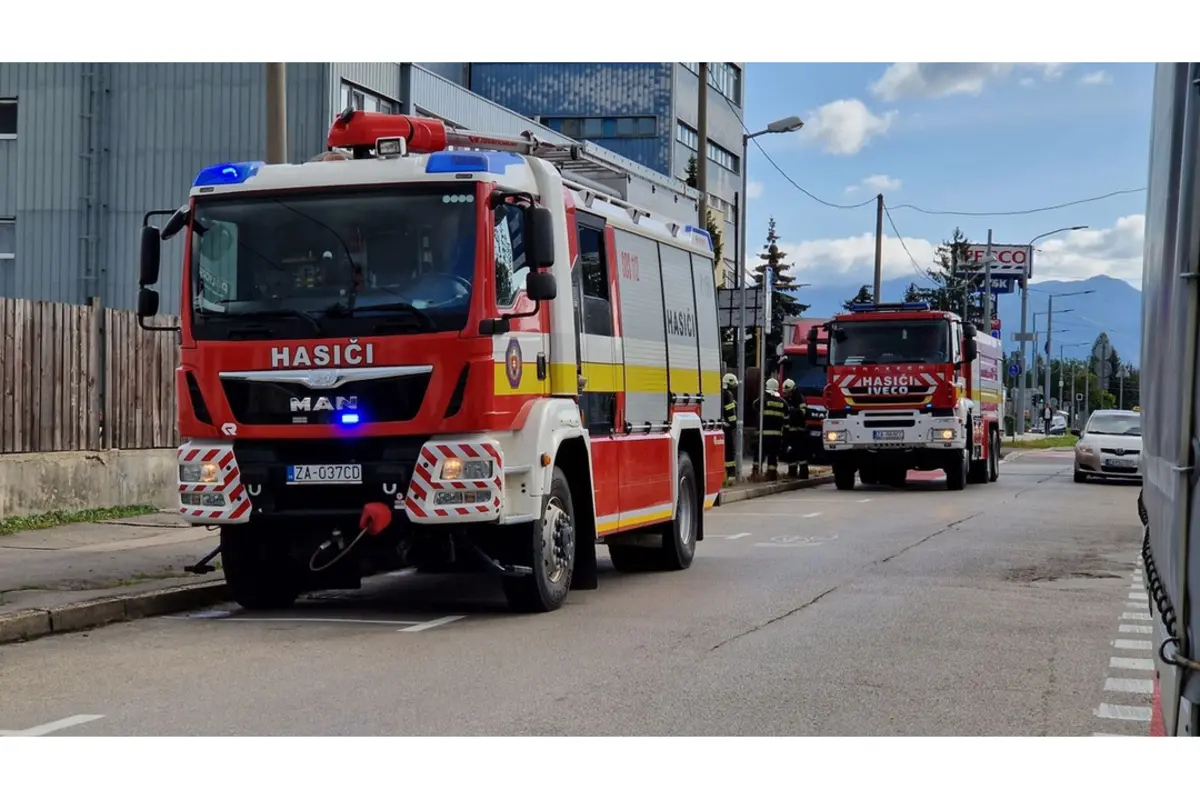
(87, 149)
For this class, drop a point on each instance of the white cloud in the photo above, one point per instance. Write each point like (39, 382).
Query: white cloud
(824, 262)
(910, 80)
(876, 183)
(844, 127)
(1115, 252)
(754, 189)
(1097, 78)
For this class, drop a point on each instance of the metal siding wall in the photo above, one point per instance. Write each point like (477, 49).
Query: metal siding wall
(450, 70)
(568, 89)
(379, 77)
(724, 128)
(44, 181)
(8, 175)
(448, 100)
(165, 122)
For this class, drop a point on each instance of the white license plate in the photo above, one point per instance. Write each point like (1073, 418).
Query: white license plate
(325, 473)
(1120, 462)
(888, 436)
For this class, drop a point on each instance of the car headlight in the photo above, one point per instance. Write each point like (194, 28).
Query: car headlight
(943, 434)
(1085, 450)
(455, 469)
(206, 472)
(833, 437)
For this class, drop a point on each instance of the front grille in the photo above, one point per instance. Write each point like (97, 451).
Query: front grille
(862, 398)
(1119, 452)
(393, 399)
(889, 423)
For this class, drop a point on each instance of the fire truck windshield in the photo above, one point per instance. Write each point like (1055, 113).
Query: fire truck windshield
(809, 378)
(924, 341)
(347, 262)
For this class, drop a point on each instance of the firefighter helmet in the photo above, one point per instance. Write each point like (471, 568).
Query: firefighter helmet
(772, 386)
(789, 386)
(729, 381)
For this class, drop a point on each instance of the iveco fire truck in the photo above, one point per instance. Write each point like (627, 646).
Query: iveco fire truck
(809, 376)
(910, 389)
(429, 348)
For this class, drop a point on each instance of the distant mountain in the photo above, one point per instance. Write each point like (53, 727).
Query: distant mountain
(1114, 307)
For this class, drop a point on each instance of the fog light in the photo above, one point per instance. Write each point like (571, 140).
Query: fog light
(448, 498)
(835, 436)
(199, 473)
(945, 434)
(455, 469)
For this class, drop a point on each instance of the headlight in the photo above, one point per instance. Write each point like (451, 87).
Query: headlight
(943, 434)
(199, 473)
(835, 436)
(1085, 450)
(455, 469)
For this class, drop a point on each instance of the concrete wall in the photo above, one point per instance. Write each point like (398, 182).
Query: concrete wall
(75, 481)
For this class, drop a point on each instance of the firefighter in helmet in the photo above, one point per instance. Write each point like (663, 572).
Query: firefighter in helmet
(795, 431)
(774, 415)
(729, 418)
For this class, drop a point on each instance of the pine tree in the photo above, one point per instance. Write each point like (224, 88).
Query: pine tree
(710, 224)
(949, 291)
(691, 177)
(865, 295)
(783, 301)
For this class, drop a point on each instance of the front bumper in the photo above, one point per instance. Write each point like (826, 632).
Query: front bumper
(249, 479)
(1097, 462)
(894, 431)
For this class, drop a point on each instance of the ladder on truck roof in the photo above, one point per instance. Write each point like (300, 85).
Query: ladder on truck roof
(372, 134)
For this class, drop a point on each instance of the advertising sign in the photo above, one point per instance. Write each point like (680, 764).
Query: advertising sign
(1010, 261)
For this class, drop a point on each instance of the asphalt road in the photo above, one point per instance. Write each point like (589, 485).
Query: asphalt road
(875, 612)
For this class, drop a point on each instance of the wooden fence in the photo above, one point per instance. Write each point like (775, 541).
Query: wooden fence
(83, 378)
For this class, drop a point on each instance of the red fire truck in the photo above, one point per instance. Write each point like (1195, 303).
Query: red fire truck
(401, 354)
(810, 378)
(911, 389)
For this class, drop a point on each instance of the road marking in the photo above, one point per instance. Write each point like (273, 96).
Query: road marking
(796, 541)
(57, 725)
(401, 625)
(733, 535)
(1132, 644)
(1121, 735)
(424, 626)
(1123, 713)
(864, 500)
(1141, 664)
(1142, 615)
(1129, 685)
(1143, 629)
(814, 514)
(1139, 596)
(1137, 605)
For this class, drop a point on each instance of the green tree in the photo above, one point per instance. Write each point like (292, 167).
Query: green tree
(693, 171)
(950, 291)
(865, 295)
(783, 301)
(710, 224)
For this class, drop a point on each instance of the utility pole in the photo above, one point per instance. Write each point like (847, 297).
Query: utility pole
(276, 113)
(1022, 391)
(987, 283)
(878, 246)
(1049, 334)
(702, 145)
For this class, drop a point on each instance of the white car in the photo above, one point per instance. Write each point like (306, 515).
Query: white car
(1110, 446)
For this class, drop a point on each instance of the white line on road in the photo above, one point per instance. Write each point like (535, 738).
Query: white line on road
(1129, 685)
(1142, 615)
(424, 626)
(334, 620)
(1132, 644)
(1139, 596)
(1142, 629)
(1141, 664)
(788, 544)
(814, 514)
(1123, 713)
(864, 500)
(57, 725)
(1137, 605)
(733, 535)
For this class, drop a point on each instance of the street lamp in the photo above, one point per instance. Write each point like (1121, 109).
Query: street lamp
(1021, 394)
(1061, 367)
(1050, 324)
(784, 125)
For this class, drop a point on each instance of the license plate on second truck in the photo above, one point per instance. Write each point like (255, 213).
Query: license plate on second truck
(325, 473)
(888, 436)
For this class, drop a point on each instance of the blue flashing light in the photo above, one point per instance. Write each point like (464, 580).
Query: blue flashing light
(228, 174)
(860, 307)
(857, 307)
(350, 418)
(922, 306)
(450, 162)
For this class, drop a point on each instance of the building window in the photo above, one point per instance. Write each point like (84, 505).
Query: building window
(726, 78)
(8, 118)
(689, 138)
(363, 100)
(603, 127)
(8, 239)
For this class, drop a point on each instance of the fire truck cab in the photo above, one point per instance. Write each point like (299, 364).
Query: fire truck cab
(401, 354)
(911, 389)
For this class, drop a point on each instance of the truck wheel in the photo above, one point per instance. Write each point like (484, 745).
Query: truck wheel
(994, 458)
(956, 469)
(678, 536)
(259, 573)
(548, 547)
(843, 477)
(868, 476)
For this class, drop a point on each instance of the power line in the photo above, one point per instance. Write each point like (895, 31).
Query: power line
(924, 273)
(1018, 213)
(788, 178)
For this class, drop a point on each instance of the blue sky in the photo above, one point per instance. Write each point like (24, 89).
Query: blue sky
(968, 137)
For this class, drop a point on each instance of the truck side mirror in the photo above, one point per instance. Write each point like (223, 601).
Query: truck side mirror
(147, 302)
(176, 223)
(150, 254)
(541, 286)
(539, 238)
(970, 349)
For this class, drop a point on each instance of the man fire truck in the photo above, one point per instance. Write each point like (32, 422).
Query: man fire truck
(397, 354)
(809, 378)
(910, 388)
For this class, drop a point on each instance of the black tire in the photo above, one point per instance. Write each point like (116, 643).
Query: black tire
(994, 457)
(678, 548)
(259, 573)
(868, 476)
(1080, 477)
(548, 547)
(956, 469)
(897, 478)
(843, 477)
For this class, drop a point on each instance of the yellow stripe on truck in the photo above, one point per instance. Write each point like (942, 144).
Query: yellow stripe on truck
(603, 377)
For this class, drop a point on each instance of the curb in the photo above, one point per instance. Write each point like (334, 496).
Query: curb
(34, 623)
(738, 494)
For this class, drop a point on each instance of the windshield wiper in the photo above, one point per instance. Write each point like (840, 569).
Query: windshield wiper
(269, 313)
(345, 310)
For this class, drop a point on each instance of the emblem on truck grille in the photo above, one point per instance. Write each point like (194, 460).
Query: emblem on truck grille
(323, 403)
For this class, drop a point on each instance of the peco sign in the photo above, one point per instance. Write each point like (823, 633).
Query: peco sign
(1008, 260)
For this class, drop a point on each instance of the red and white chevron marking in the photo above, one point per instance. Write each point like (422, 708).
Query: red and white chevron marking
(420, 503)
(237, 502)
